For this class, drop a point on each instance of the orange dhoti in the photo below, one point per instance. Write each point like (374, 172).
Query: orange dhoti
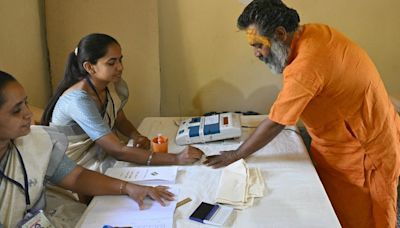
(333, 86)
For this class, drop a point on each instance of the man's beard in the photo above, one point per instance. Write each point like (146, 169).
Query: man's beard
(277, 57)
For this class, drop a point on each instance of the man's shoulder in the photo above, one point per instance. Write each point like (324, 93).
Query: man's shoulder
(316, 26)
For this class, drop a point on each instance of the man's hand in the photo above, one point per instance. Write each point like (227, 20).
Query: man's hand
(224, 159)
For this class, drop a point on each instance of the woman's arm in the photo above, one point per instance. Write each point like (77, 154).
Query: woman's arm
(126, 127)
(85, 113)
(111, 144)
(91, 183)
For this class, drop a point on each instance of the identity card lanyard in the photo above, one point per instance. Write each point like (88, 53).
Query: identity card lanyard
(26, 188)
(104, 107)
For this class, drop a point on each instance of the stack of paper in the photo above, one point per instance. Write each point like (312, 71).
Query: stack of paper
(239, 185)
(145, 175)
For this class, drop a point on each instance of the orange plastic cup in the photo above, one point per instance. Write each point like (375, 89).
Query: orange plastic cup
(160, 144)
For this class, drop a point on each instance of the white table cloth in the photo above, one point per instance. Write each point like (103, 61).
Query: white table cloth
(294, 195)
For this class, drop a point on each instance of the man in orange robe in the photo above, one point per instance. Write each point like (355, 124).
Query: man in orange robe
(333, 86)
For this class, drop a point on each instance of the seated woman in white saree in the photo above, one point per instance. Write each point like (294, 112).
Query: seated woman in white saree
(30, 157)
(88, 105)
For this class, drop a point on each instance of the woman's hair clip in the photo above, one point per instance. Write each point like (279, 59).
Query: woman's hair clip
(76, 51)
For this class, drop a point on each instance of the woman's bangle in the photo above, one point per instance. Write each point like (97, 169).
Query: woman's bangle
(122, 187)
(149, 158)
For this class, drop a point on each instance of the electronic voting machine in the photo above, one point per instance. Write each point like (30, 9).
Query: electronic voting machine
(209, 128)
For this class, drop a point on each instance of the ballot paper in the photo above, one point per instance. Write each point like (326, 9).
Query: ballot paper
(239, 185)
(122, 211)
(145, 175)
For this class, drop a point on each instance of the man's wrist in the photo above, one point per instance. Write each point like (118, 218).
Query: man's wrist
(237, 155)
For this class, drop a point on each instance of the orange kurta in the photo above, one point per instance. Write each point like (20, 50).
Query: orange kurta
(333, 86)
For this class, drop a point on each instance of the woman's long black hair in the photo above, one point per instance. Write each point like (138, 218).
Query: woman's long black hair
(90, 48)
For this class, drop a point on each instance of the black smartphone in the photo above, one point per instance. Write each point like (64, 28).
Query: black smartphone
(203, 212)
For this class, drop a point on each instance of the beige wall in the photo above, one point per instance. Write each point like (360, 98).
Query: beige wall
(134, 23)
(23, 49)
(371, 24)
(206, 64)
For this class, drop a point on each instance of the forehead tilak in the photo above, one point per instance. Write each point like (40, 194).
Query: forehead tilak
(253, 37)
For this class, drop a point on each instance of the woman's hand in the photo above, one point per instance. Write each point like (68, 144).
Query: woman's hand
(139, 192)
(141, 141)
(189, 155)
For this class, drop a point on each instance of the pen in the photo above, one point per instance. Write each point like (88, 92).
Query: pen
(182, 202)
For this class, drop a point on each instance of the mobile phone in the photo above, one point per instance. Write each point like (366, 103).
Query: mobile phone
(203, 212)
(213, 214)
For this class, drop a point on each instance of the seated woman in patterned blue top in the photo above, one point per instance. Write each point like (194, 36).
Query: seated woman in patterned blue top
(88, 105)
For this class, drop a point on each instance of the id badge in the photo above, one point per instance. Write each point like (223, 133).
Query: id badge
(35, 220)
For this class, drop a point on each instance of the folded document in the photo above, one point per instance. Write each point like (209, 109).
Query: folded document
(239, 185)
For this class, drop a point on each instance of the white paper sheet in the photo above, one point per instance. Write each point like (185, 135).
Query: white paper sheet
(121, 211)
(145, 175)
(215, 148)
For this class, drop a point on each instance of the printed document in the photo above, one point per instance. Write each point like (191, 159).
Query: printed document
(145, 175)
